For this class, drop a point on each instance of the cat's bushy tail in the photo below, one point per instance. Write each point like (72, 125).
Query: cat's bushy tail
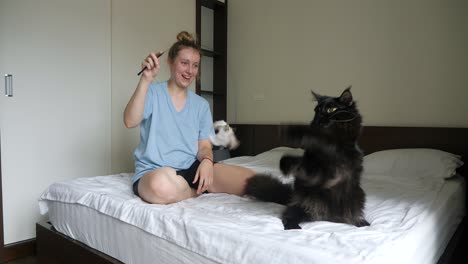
(268, 189)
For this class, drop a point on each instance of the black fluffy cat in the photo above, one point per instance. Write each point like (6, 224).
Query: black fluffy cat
(327, 177)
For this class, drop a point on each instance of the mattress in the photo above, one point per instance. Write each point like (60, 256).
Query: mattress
(411, 220)
(122, 241)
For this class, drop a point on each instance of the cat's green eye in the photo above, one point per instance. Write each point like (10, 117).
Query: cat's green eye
(332, 109)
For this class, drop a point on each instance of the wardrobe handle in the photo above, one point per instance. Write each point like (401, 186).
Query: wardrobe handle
(9, 85)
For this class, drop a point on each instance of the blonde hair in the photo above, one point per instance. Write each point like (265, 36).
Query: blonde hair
(184, 40)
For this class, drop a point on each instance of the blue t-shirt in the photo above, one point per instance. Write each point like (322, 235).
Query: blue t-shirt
(169, 138)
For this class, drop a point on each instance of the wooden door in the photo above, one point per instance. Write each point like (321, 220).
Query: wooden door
(56, 125)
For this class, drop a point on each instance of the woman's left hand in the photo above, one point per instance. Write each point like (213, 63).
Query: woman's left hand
(205, 175)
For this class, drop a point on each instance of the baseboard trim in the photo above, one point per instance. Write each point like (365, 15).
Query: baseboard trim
(18, 250)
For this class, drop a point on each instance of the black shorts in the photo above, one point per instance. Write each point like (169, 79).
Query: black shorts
(187, 174)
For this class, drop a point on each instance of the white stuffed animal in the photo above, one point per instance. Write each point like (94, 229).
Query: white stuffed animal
(224, 135)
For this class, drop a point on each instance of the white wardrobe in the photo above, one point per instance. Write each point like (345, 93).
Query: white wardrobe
(56, 122)
(68, 68)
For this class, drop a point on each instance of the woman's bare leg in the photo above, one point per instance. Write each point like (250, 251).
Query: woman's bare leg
(164, 186)
(229, 179)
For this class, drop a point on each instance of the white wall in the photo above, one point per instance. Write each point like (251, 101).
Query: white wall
(139, 27)
(406, 59)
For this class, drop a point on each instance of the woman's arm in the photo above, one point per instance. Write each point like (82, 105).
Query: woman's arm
(135, 108)
(205, 150)
(133, 113)
(205, 170)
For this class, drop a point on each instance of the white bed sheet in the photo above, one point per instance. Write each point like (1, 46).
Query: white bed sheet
(122, 241)
(411, 219)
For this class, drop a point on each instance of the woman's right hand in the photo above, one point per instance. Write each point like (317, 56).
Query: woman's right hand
(152, 65)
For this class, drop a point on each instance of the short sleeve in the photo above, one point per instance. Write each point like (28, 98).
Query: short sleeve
(206, 122)
(149, 101)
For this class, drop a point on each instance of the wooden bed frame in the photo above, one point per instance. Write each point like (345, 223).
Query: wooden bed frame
(54, 247)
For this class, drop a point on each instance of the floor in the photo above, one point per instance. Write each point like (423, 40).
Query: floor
(26, 260)
(459, 259)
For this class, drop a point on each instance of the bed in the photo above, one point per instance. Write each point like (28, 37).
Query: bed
(415, 203)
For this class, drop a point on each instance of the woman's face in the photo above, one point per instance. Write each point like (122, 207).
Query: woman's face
(184, 68)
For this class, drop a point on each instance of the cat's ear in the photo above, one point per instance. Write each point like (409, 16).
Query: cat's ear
(346, 97)
(316, 95)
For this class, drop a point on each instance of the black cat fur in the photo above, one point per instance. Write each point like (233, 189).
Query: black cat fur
(327, 177)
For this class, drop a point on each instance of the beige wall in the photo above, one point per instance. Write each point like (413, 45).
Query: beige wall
(138, 27)
(407, 60)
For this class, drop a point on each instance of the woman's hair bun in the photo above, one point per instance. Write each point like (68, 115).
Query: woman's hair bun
(185, 37)
(184, 40)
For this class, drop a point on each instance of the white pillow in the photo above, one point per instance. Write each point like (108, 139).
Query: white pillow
(404, 162)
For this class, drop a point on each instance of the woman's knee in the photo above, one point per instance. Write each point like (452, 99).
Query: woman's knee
(157, 186)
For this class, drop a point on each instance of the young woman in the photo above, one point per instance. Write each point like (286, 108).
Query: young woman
(174, 159)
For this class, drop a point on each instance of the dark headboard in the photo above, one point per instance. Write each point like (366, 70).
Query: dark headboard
(259, 138)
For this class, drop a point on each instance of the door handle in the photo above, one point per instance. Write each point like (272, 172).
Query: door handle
(9, 85)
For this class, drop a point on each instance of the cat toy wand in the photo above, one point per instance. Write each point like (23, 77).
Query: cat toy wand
(159, 54)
